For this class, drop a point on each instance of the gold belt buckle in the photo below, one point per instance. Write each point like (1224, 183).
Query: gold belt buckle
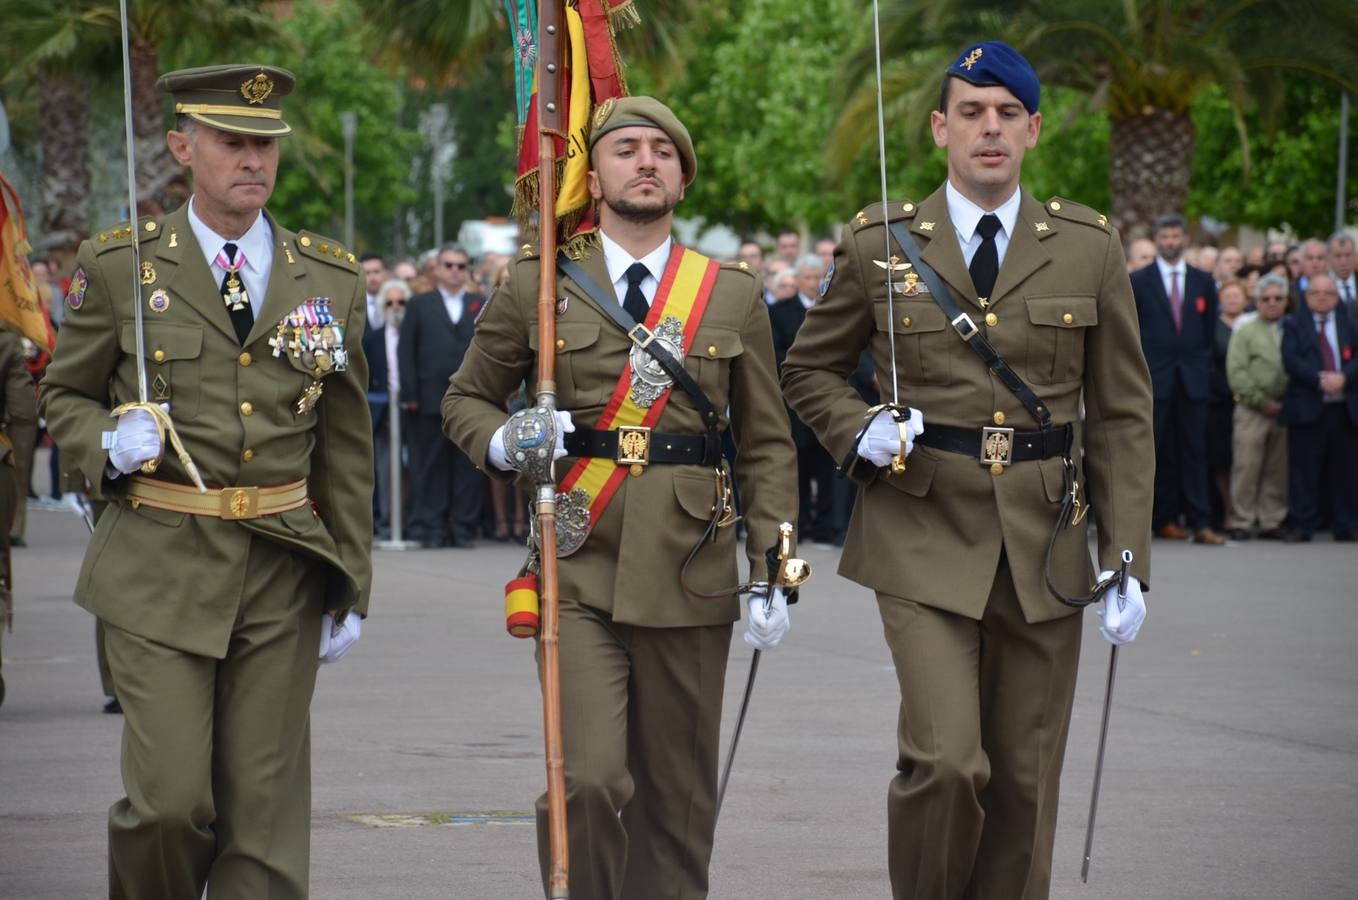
(240, 502)
(634, 445)
(997, 446)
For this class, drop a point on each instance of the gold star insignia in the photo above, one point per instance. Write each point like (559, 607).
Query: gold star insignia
(861, 219)
(926, 226)
(1103, 220)
(972, 58)
(1042, 226)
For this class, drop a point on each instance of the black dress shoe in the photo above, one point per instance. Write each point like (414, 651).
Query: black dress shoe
(1237, 534)
(113, 707)
(1296, 537)
(1271, 534)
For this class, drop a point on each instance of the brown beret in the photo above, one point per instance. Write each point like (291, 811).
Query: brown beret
(650, 113)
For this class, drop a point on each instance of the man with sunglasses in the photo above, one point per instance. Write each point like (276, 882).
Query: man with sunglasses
(435, 334)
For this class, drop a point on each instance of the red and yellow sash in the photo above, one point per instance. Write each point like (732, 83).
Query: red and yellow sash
(684, 291)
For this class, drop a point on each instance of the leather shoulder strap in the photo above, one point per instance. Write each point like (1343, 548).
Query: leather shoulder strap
(967, 330)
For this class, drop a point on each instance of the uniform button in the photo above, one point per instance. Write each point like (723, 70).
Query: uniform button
(636, 470)
(712, 350)
(992, 320)
(1068, 318)
(247, 408)
(1056, 206)
(996, 469)
(909, 207)
(245, 358)
(248, 455)
(150, 226)
(304, 241)
(561, 343)
(158, 356)
(906, 322)
(999, 418)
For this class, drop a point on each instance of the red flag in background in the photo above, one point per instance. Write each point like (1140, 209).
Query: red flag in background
(18, 292)
(593, 74)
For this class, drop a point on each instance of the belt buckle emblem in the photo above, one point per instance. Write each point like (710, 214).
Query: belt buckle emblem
(997, 446)
(634, 445)
(240, 503)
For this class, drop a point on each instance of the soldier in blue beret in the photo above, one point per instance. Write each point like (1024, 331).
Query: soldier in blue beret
(977, 550)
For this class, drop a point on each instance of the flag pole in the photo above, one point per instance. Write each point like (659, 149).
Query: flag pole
(550, 125)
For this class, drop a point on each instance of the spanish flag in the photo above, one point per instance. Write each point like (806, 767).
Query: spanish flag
(593, 74)
(18, 292)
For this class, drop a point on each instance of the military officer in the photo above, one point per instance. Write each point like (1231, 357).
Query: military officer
(642, 656)
(955, 547)
(217, 605)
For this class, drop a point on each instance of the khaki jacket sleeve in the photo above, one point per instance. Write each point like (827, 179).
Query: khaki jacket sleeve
(826, 351)
(341, 478)
(1119, 440)
(75, 391)
(765, 455)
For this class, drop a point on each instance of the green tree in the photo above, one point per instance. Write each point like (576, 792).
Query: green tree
(334, 73)
(1142, 62)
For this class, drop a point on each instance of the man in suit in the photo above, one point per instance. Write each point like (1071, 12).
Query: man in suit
(1176, 307)
(954, 545)
(374, 347)
(217, 605)
(642, 658)
(1320, 410)
(815, 468)
(18, 423)
(1342, 262)
(447, 490)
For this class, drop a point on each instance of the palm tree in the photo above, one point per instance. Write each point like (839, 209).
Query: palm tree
(1143, 62)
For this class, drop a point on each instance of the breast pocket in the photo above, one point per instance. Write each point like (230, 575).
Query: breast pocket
(173, 363)
(1056, 336)
(709, 362)
(583, 376)
(924, 340)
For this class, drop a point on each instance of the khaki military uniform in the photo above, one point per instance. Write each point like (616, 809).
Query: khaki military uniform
(642, 662)
(212, 624)
(985, 655)
(19, 423)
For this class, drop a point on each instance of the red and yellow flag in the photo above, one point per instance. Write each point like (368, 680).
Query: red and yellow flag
(593, 74)
(18, 291)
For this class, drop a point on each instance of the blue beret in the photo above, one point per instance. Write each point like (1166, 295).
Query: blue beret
(995, 63)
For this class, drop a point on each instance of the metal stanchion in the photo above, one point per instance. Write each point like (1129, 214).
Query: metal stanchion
(394, 511)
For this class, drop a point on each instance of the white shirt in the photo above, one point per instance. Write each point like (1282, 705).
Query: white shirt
(807, 302)
(453, 303)
(1348, 287)
(1178, 269)
(256, 244)
(966, 216)
(375, 317)
(619, 261)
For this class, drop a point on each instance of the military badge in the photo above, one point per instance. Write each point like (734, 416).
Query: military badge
(75, 295)
(601, 114)
(649, 380)
(148, 272)
(829, 276)
(309, 398)
(317, 337)
(159, 301)
(256, 90)
(561, 305)
(160, 389)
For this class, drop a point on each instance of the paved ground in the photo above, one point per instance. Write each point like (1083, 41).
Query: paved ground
(1232, 770)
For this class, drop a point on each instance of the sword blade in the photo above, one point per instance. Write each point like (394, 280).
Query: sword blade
(132, 205)
(1098, 762)
(735, 735)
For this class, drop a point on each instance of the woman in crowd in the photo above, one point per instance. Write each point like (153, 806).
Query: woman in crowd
(1231, 302)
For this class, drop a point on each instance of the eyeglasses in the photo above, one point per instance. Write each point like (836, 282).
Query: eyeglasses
(391, 303)
(1272, 298)
(454, 265)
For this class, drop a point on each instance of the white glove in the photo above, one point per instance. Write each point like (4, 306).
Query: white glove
(337, 639)
(1122, 617)
(498, 458)
(136, 441)
(882, 439)
(766, 629)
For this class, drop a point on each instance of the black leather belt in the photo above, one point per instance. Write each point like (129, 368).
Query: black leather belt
(641, 446)
(993, 444)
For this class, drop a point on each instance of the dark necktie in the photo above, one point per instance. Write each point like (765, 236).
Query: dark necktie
(1327, 363)
(985, 264)
(635, 301)
(242, 316)
(1176, 300)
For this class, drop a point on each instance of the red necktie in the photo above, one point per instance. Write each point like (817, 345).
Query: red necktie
(1326, 352)
(1176, 300)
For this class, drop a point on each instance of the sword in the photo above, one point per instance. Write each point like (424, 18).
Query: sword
(1103, 728)
(786, 571)
(162, 418)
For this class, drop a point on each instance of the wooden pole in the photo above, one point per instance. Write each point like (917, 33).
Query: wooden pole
(550, 119)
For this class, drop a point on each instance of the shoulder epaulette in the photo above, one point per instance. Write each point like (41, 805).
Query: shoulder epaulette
(1076, 212)
(872, 213)
(120, 235)
(741, 266)
(327, 250)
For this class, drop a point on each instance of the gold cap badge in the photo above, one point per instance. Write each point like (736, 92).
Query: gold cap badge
(257, 89)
